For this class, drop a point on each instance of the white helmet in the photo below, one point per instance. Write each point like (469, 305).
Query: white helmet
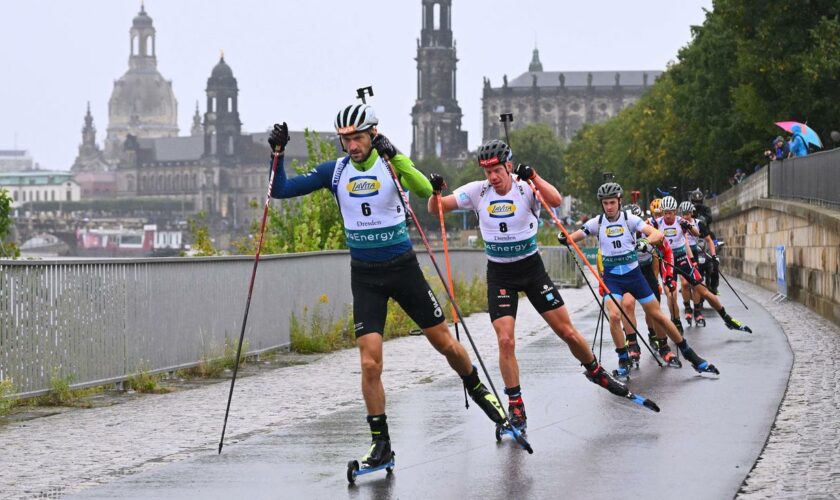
(686, 207)
(668, 203)
(355, 118)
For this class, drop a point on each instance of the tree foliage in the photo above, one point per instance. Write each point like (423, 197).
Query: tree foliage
(303, 224)
(749, 65)
(8, 249)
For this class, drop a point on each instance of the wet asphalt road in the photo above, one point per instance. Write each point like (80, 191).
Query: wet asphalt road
(588, 443)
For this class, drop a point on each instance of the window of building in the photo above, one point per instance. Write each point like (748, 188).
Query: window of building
(436, 16)
(69, 195)
(52, 195)
(230, 104)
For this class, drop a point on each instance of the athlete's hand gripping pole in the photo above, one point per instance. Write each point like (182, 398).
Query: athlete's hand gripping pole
(506, 118)
(276, 154)
(449, 275)
(407, 207)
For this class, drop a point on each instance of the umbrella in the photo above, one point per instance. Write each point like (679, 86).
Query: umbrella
(807, 132)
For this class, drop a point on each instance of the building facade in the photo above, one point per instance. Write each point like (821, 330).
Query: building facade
(39, 186)
(565, 101)
(436, 116)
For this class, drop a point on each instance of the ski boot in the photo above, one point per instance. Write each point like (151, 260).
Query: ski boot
(516, 413)
(600, 377)
(699, 320)
(668, 357)
(635, 354)
(699, 364)
(379, 456)
(734, 324)
(622, 373)
(652, 340)
(488, 403)
(689, 316)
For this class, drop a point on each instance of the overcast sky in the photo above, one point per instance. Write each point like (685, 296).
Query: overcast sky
(300, 61)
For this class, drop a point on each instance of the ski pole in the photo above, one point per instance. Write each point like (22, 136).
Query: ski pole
(727, 281)
(407, 207)
(504, 117)
(274, 162)
(451, 286)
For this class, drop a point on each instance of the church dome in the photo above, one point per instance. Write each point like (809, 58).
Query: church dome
(221, 70)
(142, 20)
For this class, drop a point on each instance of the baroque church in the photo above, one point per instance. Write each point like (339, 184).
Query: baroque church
(563, 100)
(218, 168)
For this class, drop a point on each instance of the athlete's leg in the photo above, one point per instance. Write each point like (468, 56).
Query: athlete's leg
(370, 355)
(560, 321)
(456, 355)
(508, 365)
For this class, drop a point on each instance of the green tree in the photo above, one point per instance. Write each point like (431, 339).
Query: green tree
(8, 249)
(303, 224)
(199, 234)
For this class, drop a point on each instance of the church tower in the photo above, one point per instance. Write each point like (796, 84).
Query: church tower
(142, 103)
(222, 128)
(436, 116)
(89, 157)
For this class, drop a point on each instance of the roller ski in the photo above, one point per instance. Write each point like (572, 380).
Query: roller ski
(699, 364)
(699, 320)
(669, 359)
(378, 457)
(734, 324)
(600, 377)
(634, 350)
(491, 407)
(689, 316)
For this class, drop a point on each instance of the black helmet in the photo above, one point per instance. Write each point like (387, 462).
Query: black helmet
(493, 152)
(610, 190)
(696, 196)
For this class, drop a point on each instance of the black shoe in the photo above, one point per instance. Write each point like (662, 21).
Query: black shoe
(601, 377)
(668, 356)
(378, 454)
(487, 402)
(635, 353)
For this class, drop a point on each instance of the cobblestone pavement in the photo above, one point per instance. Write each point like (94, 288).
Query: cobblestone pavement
(61, 454)
(802, 455)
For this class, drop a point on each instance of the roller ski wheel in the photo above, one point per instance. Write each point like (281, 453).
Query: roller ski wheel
(622, 374)
(669, 359)
(688, 318)
(518, 435)
(699, 320)
(734, 324)
(355, 469)
(705, 367)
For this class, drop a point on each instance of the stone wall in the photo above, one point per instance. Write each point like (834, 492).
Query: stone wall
(811, 236)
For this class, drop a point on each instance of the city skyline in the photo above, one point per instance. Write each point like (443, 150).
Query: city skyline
(79, 55)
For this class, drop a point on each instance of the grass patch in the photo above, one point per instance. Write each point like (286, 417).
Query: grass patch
(7, 388)
(61, 393)
(147, 383)
(213, 364)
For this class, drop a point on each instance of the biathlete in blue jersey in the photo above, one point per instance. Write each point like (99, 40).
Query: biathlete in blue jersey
(382, 262)
(507, 211)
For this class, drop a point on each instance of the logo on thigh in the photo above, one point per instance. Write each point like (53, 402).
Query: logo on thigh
(438, 310)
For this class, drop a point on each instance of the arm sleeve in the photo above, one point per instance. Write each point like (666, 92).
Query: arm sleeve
(590, 226)
(413, 179)
(317, 178)
(464, 196)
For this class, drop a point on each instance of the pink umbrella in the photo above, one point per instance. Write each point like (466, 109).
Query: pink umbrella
(806, 131)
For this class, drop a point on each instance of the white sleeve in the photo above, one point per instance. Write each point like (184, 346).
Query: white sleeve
(467, 195)
(637, 223)
(590, 227)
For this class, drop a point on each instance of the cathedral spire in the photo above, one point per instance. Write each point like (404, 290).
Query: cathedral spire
(142, 37)
(535, 66)
(196, 129)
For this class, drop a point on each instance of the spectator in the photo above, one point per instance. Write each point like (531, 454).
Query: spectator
(739, 176)
(779, 150)
(798, 144)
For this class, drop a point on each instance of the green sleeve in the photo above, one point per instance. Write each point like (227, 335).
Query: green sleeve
(413, 179)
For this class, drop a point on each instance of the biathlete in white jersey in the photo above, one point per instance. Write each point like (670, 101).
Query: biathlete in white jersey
(382, 262)
(675, 229)
(508, 213)
(616, 232)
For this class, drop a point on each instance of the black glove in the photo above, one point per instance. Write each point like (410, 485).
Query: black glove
(685, 225)
(643, 245)
(524, 172)
(562, 239)
(384, 147)
(279, 137)
(438, 184)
